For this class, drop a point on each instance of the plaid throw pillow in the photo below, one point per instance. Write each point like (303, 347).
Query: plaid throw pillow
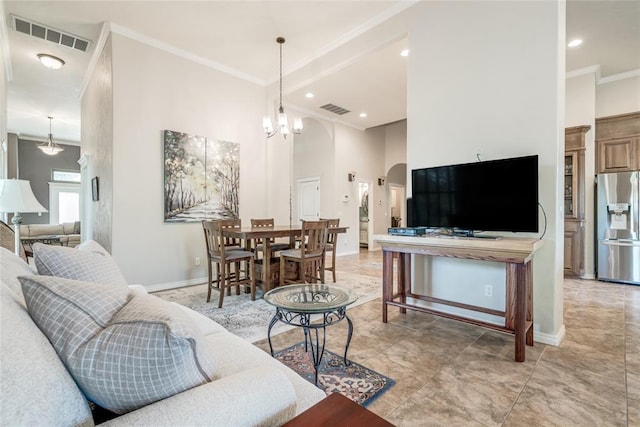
(90, 262)
(124, 351)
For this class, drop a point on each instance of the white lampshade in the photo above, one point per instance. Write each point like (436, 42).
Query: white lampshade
(16, 196)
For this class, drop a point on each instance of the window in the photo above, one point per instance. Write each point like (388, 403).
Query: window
(65, 176)
(64, 202)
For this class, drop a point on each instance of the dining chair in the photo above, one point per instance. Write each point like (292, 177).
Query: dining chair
(228, 261)
(332, 244)
(259, 244)
(309, 257)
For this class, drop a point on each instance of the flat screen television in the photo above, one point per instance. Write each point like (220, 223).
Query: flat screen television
(496, 195)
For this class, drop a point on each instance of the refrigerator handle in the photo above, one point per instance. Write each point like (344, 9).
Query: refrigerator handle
(635, 205)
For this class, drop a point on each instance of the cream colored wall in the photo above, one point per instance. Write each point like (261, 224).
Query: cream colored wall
(580, 110)
(314, 155)
(395, 147)
(618, 97)
(97, 136)
(496, 87)
(154, 90)
(363, 153)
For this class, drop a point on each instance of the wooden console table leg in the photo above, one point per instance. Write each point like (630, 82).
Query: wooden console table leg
(529, 282)
(404, 278)
(387, 281)
(520, 310)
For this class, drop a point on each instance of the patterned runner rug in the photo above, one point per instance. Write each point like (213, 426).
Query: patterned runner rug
(358, 383)
(250, 319)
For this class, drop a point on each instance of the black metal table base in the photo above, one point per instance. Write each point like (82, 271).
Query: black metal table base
(314, 333)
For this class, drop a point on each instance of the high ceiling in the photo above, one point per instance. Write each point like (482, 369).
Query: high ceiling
(239, 37)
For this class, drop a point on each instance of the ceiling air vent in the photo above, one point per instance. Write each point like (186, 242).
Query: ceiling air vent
(335, 109)
(25, 26)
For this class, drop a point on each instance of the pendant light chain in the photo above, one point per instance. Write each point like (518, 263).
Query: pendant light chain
(282, 124)
(281, 74)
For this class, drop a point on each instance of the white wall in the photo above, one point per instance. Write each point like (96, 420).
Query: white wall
(580, 111)
(363, 153)
(314, 155)
(495, 87)
(155, 90)
(395, 147)
(618, 97)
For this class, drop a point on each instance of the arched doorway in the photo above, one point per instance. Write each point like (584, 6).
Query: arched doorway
(397, 195)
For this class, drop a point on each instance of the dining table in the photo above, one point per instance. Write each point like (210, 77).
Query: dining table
(250, 234)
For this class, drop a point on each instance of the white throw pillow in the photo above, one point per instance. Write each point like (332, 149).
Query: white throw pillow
(124, 351)
(90, 262)
(12, 266)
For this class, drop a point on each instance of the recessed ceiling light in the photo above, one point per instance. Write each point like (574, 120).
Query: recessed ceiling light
(405, 52)
(575, 42)
(309, 95)
(363, 115)
(50, 61)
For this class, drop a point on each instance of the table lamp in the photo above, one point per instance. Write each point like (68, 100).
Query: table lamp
(16, 196)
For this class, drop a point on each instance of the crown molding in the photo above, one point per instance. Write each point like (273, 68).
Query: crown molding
(347, 37)
(95, 57)
(592, 69)
(619, 76)
(4, 44)
(35, 138)
(127, 32)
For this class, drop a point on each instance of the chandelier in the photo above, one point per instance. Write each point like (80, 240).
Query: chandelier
(49, 147)
(283, 124)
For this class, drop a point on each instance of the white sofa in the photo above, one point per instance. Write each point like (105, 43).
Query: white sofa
(67, 232)
(36, 389)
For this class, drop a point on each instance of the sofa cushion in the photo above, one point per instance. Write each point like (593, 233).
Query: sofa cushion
(89, 262)
(36, 389)
(124, 350)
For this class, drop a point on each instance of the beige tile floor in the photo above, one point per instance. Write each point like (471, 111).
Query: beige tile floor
(453, 374)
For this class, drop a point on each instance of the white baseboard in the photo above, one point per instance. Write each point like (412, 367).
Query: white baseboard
(173, 285)
(590, 276)
(549, 339)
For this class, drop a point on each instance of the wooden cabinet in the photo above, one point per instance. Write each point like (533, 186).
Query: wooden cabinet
(618, 143)
(573, 247)
(574, 195)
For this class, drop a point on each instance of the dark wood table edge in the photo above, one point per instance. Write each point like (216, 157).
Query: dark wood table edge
(337, 410)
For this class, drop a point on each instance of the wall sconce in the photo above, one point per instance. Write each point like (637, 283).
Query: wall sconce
(381, 180)
(352, 176)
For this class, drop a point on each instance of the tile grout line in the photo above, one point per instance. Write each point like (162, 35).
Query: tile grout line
(525, 384)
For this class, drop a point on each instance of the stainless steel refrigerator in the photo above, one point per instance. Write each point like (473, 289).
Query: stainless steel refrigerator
(618, 234)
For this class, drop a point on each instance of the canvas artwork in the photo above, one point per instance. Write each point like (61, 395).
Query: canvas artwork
(201, 178)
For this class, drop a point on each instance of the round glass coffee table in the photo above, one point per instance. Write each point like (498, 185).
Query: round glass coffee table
(312, 307)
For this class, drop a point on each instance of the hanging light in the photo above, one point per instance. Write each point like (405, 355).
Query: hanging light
(283, 123)
(49, 147)
(50, 61)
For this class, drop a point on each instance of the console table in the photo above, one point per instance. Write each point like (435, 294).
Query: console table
(516, 253)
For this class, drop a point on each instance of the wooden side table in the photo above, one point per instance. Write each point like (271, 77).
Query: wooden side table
(337, 411)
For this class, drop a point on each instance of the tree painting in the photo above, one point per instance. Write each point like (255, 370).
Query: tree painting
(201, 178)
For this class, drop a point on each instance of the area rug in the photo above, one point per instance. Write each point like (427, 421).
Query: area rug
(250, 319)
(358, 383)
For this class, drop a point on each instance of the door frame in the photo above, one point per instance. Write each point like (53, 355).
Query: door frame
(370, 225)
(318, 200)
(56, 187)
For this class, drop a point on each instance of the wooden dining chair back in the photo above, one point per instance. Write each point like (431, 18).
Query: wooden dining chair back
(310, 255)
(229, 241)
(332, 244)
(234, 266)
(259, 243)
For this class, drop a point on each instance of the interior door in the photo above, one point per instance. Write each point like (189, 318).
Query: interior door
(309, 199)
